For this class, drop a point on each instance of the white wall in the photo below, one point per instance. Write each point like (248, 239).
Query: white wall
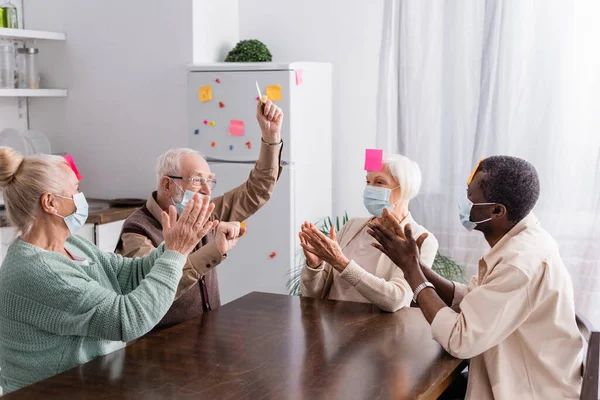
(124, 63)
(216, 29)
(346, 33)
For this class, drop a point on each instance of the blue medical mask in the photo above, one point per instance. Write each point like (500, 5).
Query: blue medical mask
(187, 196)
(376, 199)
(464, 211)
(78, 218)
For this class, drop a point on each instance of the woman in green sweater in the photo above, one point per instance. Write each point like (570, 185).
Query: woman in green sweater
(64, 302)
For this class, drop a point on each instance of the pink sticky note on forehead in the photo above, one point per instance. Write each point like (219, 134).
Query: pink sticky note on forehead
(373, 159)
(236, 127)
(69, 159)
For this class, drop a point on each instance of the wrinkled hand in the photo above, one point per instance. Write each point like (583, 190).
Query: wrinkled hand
(399, 245)
(321, 247)
(183, 234)
(270, 120)
(313, 260)
(227, 236)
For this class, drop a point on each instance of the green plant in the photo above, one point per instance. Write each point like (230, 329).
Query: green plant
(443, 265)
(249, 51)
(448, 268)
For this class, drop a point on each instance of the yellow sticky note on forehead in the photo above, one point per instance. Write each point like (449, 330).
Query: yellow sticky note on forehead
(474, 171)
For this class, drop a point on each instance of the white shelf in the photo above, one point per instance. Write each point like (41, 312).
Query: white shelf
(33, 93)
(26, 34)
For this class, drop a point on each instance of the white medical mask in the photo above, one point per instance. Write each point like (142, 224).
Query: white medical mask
(187, 196)
(376, 199)
(464, 211)
(78, 218)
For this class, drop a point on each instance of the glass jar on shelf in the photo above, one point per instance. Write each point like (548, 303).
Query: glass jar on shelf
(8, 16)
(28, 76)
(7, 67)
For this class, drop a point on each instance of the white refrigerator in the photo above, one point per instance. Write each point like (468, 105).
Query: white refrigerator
(222, 127)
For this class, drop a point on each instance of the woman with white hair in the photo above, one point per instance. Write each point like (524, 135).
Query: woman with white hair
(63, 301)
(348, 267)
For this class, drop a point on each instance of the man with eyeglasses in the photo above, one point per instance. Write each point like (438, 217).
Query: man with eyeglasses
(182, 173)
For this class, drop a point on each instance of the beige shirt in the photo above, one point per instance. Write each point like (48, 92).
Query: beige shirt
(516, 321)
(370, 277)
(235, 205)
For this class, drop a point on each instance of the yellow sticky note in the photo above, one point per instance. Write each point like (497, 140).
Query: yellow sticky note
(243, 225)
(205, 93)
(474, 171)
(274, 92)
(211, 123)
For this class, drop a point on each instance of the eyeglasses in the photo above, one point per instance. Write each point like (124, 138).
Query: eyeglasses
(197, 182)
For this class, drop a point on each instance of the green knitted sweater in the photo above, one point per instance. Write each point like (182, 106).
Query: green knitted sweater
(56, 313)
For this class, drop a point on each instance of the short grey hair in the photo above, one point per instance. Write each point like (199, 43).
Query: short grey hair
(406, 172)
(169, 163)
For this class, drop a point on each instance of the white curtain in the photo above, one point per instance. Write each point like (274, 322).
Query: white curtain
(463, 79)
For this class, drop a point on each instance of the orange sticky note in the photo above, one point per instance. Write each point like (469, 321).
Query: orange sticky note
(474, 171)
(373, 159)
(236, 127)
(274, 92)
(205, 93)
(243, 225)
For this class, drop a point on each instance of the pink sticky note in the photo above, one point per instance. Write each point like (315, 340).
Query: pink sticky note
(69, 159)
(236, 127)
(299, 77)
(373, 159)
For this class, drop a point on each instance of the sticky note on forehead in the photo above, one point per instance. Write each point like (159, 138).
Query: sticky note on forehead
(373, 159)
(69, 159)
(474, 171)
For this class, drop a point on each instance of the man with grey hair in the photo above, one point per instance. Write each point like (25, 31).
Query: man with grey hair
(182, 173)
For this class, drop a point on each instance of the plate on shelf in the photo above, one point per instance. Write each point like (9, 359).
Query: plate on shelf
(127, 202)
(39, 142)
(17, 140)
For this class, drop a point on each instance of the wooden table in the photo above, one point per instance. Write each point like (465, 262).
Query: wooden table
(266, 346)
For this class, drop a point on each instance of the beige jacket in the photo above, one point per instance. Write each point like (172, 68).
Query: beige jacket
(236, 205)
(517, 321)
(387, 288)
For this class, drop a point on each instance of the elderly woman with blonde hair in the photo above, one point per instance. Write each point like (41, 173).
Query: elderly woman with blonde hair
(348, 267)
(63, 301)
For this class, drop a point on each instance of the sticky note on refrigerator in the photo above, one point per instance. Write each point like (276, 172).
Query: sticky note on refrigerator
(373, 159)
(205, 93)
(474, 172)
(274, 92)
(69, 159)
(299, 80)
(236, 127)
